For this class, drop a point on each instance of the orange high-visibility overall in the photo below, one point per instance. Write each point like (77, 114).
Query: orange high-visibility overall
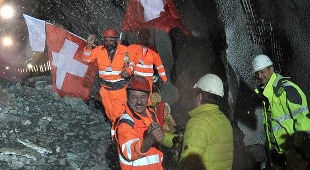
(145, 60)
(130, 131)
(113, 86)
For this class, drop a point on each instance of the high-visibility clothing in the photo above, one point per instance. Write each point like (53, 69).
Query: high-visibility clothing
(114, 102)
(130, 131)
(108, 70)
(113, 99)
(145, 62)
(284, 112)
(208, 140)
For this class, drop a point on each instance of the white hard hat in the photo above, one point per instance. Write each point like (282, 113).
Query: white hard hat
(211, 83)
(260, 62)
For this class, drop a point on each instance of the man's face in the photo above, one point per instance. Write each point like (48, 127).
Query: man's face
(264, 75)
(109, 43)
(137, 100)
(194, 99)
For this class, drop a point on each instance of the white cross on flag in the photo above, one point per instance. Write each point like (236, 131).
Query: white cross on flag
(160, 14)
(152, 9)
(71, 75)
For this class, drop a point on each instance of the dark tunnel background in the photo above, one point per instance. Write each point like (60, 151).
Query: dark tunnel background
(225, 37)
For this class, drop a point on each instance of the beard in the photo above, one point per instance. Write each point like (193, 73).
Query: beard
(110, 47)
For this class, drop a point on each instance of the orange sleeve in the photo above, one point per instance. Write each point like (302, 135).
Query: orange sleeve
(128, 142)
(137, 148)
(132, 57)
(90, 55)
(160, 67)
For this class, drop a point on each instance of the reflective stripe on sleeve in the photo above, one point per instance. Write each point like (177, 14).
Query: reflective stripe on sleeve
(294, 114)
(143, 74)
(126, 116)
(276, 128)
(127, 146)
(162, 74)
(159, 67)
(147, 160)
(288, 116)
(300, 110)
(282, 118)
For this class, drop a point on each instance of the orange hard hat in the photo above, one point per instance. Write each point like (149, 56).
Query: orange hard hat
(139, 83)
(110, 32)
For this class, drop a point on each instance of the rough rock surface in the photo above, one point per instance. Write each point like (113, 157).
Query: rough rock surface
(39, 130)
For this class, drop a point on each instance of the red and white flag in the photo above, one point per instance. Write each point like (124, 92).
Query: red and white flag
(152, 13)
(71, 75)
(36, 30)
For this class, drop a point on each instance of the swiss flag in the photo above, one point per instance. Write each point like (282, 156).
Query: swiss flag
(71, 75)
(152, 13)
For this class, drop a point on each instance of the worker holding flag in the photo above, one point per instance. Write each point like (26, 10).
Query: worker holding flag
(115, 67)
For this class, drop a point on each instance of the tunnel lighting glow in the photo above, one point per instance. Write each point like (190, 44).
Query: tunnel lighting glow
(7, 41)
(6, 12)
(7, 67)
(29, 66)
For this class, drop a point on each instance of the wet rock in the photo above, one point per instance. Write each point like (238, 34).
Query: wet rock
(25, 122)
(40, 130)
(39, 85)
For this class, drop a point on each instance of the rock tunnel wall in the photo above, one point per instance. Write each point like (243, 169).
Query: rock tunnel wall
(226, 36)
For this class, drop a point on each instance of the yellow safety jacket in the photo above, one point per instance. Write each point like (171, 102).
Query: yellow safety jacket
(284, 111)
(208, 140)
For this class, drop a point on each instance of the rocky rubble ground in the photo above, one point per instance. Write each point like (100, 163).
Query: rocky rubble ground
(41, 131)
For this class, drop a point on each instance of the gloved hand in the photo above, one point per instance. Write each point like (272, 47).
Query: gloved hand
(90, 41)
(154, 134)
(152, 126)
(124, 74)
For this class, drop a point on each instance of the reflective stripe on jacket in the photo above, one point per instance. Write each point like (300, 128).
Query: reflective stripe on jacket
(108, 70)
(130, 132)
(286, 113)
(144, 62)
